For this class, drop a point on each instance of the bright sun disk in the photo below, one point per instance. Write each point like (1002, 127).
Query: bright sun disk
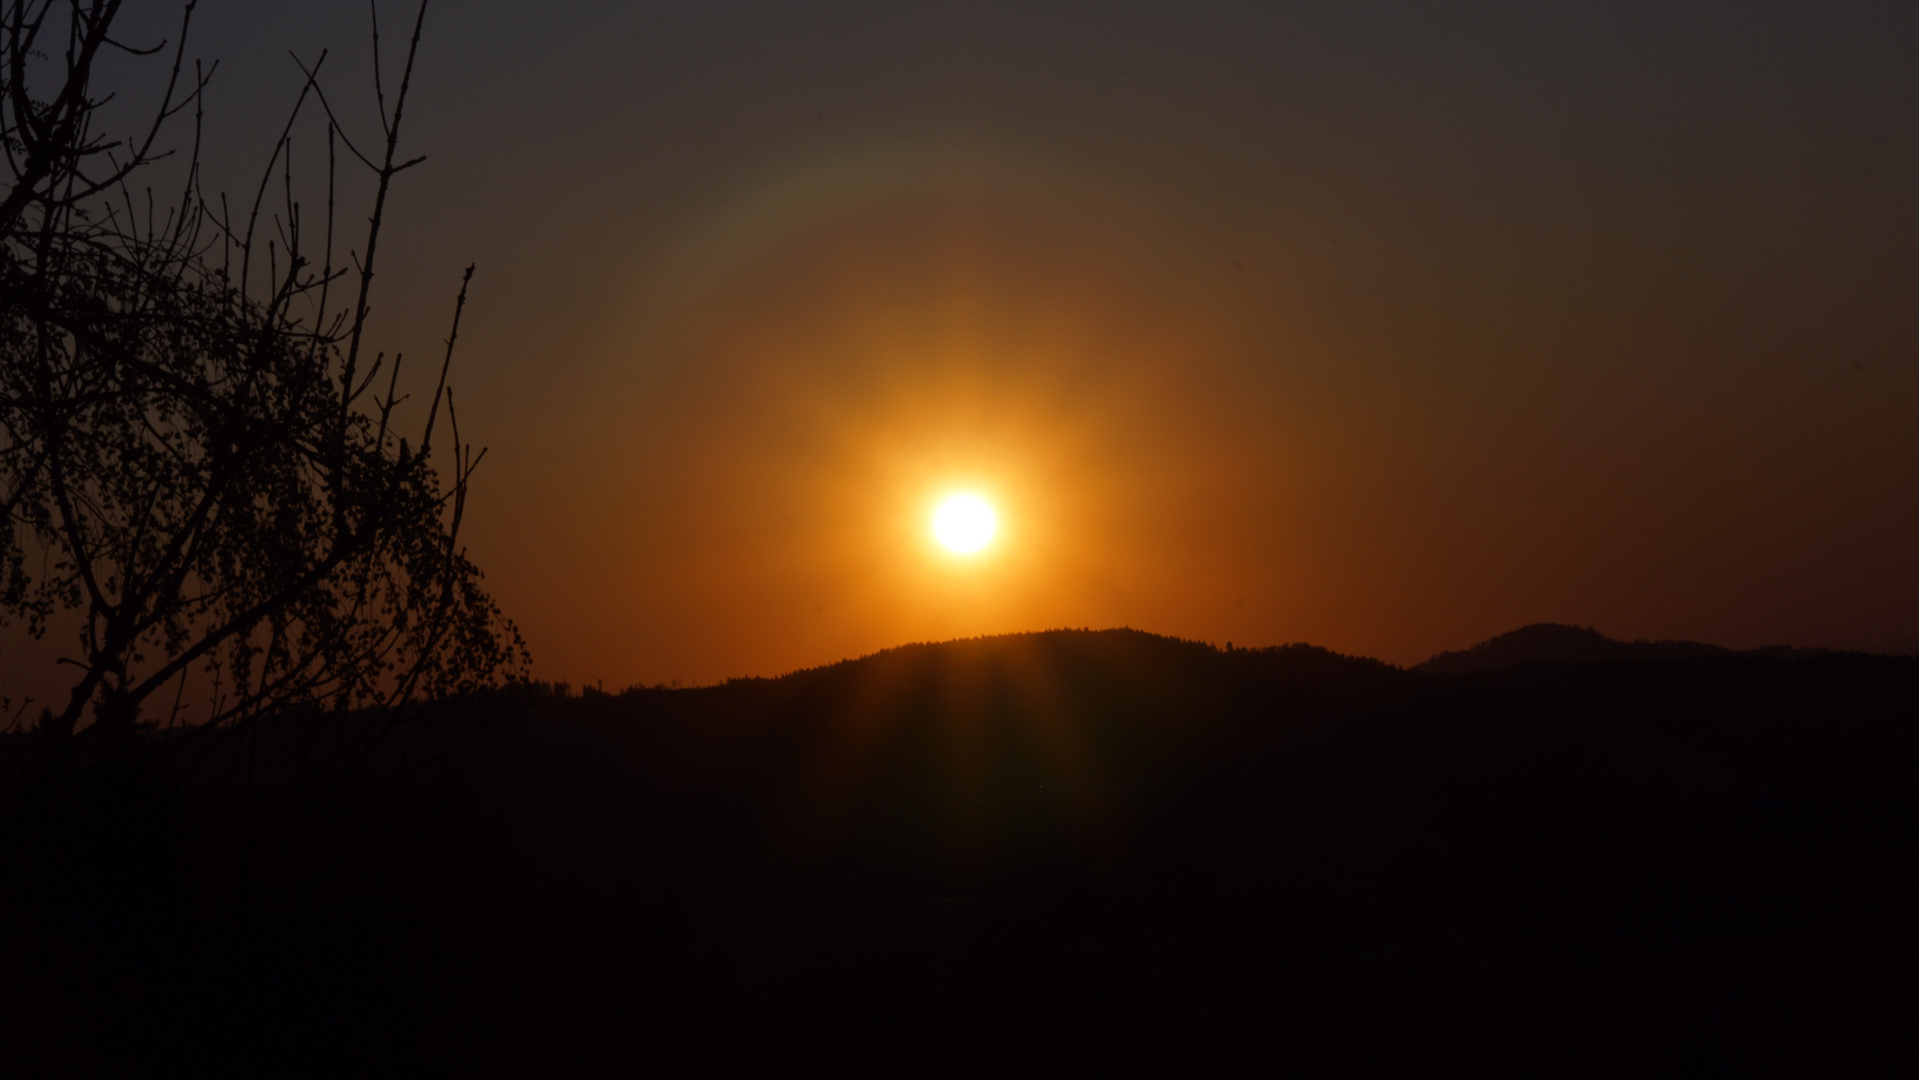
(964, 524)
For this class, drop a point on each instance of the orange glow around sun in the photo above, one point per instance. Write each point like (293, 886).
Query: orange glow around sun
(1003, 345)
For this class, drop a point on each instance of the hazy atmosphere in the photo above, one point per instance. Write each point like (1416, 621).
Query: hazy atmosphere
(1386, 327)
(951, 540)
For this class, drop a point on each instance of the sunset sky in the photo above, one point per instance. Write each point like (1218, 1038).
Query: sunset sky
(1386, 327)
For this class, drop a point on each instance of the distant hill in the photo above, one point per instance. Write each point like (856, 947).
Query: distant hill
(1064, 853)
(1555, 643)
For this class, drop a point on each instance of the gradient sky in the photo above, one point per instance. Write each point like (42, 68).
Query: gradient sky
(1386, 327)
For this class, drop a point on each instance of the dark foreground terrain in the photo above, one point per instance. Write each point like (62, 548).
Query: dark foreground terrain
(1068, 853)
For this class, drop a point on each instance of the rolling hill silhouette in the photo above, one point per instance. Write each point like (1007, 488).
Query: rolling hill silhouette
(1067, 852)
(1554, 643)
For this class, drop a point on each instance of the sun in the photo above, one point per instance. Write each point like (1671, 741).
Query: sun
(964, 524)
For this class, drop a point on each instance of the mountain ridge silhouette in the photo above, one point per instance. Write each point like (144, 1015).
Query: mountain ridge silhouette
(1559, 643)
(1105, 852)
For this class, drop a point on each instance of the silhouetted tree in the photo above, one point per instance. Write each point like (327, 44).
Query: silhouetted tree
(201, 463)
